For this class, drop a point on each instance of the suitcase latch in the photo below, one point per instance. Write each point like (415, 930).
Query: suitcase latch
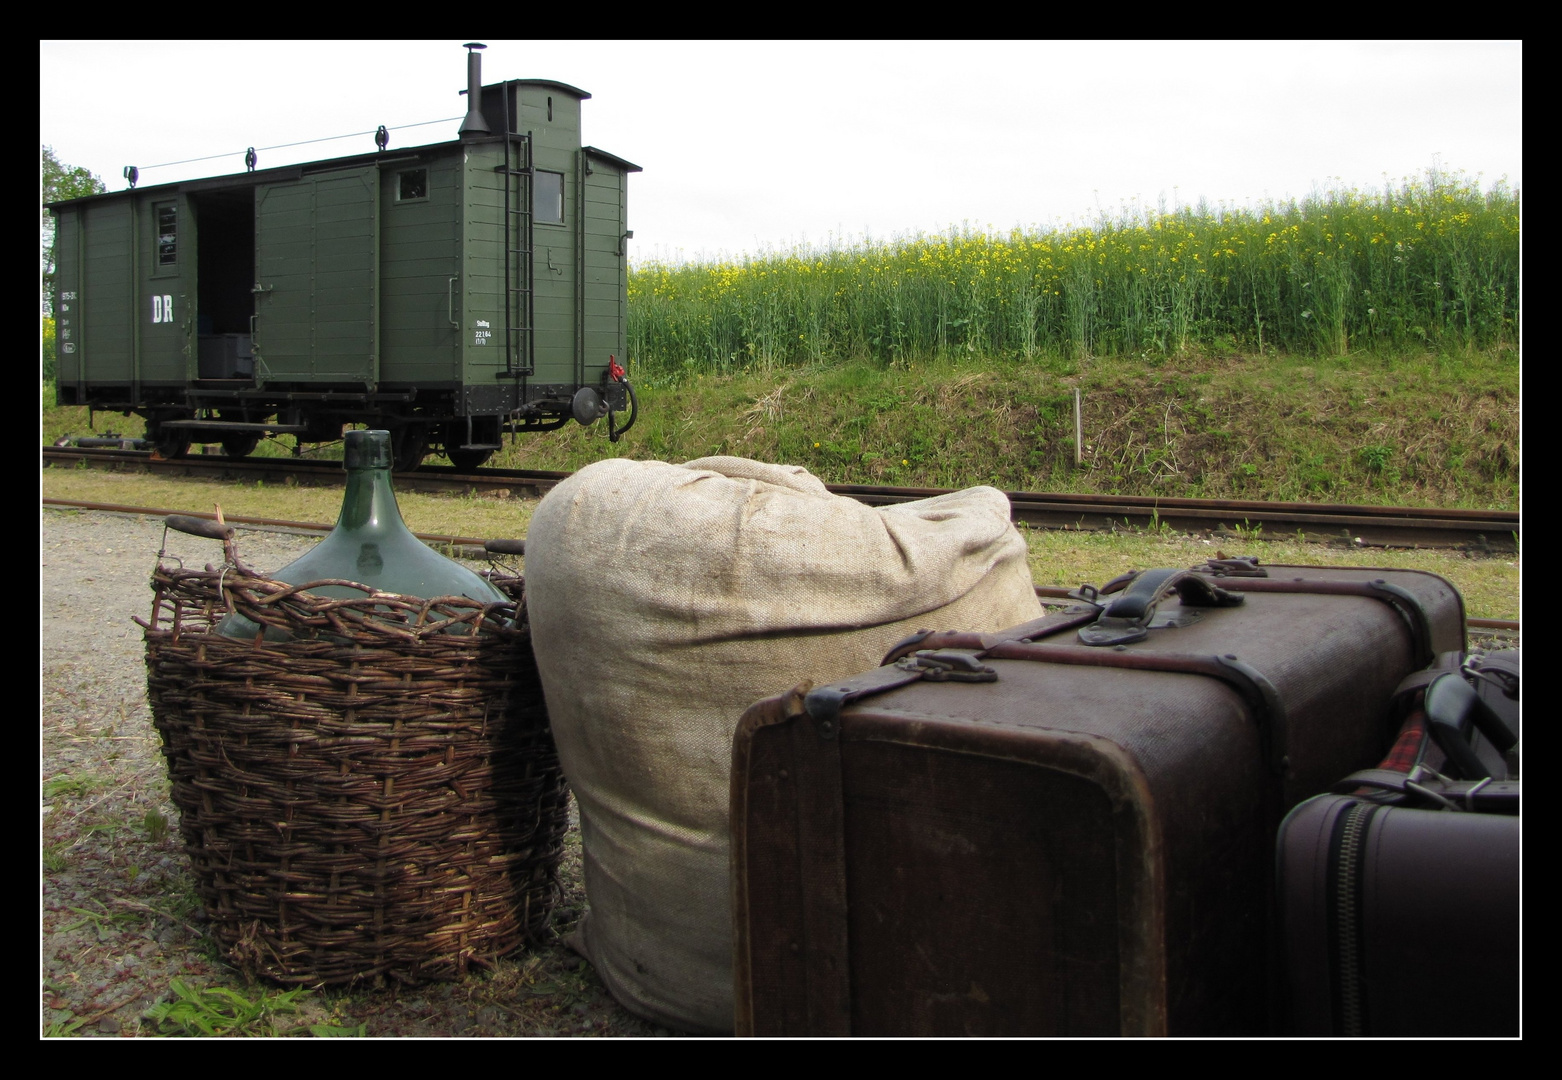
(824, 703)
(947, 666)
(1236, 566)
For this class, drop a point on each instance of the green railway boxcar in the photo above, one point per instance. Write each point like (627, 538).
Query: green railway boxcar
(451, 293)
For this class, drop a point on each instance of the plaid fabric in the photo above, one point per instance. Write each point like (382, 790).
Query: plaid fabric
(1408, 748)
(1403, 756)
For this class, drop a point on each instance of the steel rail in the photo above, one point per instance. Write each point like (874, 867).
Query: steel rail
(1340, 523)
(237, 519)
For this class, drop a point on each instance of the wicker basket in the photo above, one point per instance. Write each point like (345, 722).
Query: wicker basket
(378, 796)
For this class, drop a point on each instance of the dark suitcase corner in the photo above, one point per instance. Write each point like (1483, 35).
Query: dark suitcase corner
(935, 818)
(1399, 921)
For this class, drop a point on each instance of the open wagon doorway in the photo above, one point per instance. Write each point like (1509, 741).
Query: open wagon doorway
(224, 228)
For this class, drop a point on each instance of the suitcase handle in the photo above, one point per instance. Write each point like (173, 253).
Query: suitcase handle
(1141, 591)
(1453, 708)
(1501, 669)
(1127, 619)
(1056, 623)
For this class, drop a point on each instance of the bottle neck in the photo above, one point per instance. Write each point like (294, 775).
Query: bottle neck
(370, 501)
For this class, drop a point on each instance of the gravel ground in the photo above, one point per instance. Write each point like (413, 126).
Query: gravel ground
(120, 923)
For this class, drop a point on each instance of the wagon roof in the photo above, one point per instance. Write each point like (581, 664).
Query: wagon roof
(284, 172)
(260, 176)
(613, 159)
(566, 87)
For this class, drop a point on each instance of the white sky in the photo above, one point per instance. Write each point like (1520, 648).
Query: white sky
(757, 146)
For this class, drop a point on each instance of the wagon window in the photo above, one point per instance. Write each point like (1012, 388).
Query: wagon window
(414, 185)
(548, 198)
(168, 235)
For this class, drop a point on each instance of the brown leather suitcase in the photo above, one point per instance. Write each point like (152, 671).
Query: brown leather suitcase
(1068, 828)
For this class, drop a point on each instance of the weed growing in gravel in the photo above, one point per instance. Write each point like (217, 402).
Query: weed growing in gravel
(54, 857)
(106, 923)
(220, 1011)
(66, 785)
(155, 825)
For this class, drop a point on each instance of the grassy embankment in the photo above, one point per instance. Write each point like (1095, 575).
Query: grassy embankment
(1353, 346)
(1431, 430)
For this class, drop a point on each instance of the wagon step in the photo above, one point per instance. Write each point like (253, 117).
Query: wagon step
(235, 425)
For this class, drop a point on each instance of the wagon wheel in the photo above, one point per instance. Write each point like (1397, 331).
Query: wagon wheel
(240, 444)
(169, 443)
(463, 460)
(411, 447)
(467, 460)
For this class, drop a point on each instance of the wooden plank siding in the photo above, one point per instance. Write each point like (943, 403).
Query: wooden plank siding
(552, 117)
(67, 300)
(484, 250)
(553, 262)
(419, 254)
(317, 258)
(606, 279)
(166, 339)
(107, 286)
(554, 306)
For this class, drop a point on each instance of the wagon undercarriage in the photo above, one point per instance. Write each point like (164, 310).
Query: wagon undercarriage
(421, 420)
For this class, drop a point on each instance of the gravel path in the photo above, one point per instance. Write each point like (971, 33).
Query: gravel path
(120, 923)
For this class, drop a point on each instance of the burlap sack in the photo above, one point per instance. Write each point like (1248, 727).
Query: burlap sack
(665, 599)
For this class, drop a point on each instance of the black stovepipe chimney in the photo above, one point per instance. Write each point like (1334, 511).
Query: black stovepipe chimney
(474, 124)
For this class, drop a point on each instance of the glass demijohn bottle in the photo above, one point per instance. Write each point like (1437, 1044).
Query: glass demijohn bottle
(371, 544)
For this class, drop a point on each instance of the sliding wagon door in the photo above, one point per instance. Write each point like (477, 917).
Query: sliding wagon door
(317, 279)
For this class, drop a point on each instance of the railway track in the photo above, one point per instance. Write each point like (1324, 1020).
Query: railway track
(1027, 506)
(472, 547)
(1359, 526)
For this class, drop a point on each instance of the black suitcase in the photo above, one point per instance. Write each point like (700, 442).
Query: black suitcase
(1399, 891)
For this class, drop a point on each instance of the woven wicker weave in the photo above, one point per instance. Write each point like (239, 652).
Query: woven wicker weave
(377, 797)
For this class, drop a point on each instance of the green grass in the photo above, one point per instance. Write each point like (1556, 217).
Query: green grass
(70, 786)
(1424, 429)
(213, 1011)
(206, 1012)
